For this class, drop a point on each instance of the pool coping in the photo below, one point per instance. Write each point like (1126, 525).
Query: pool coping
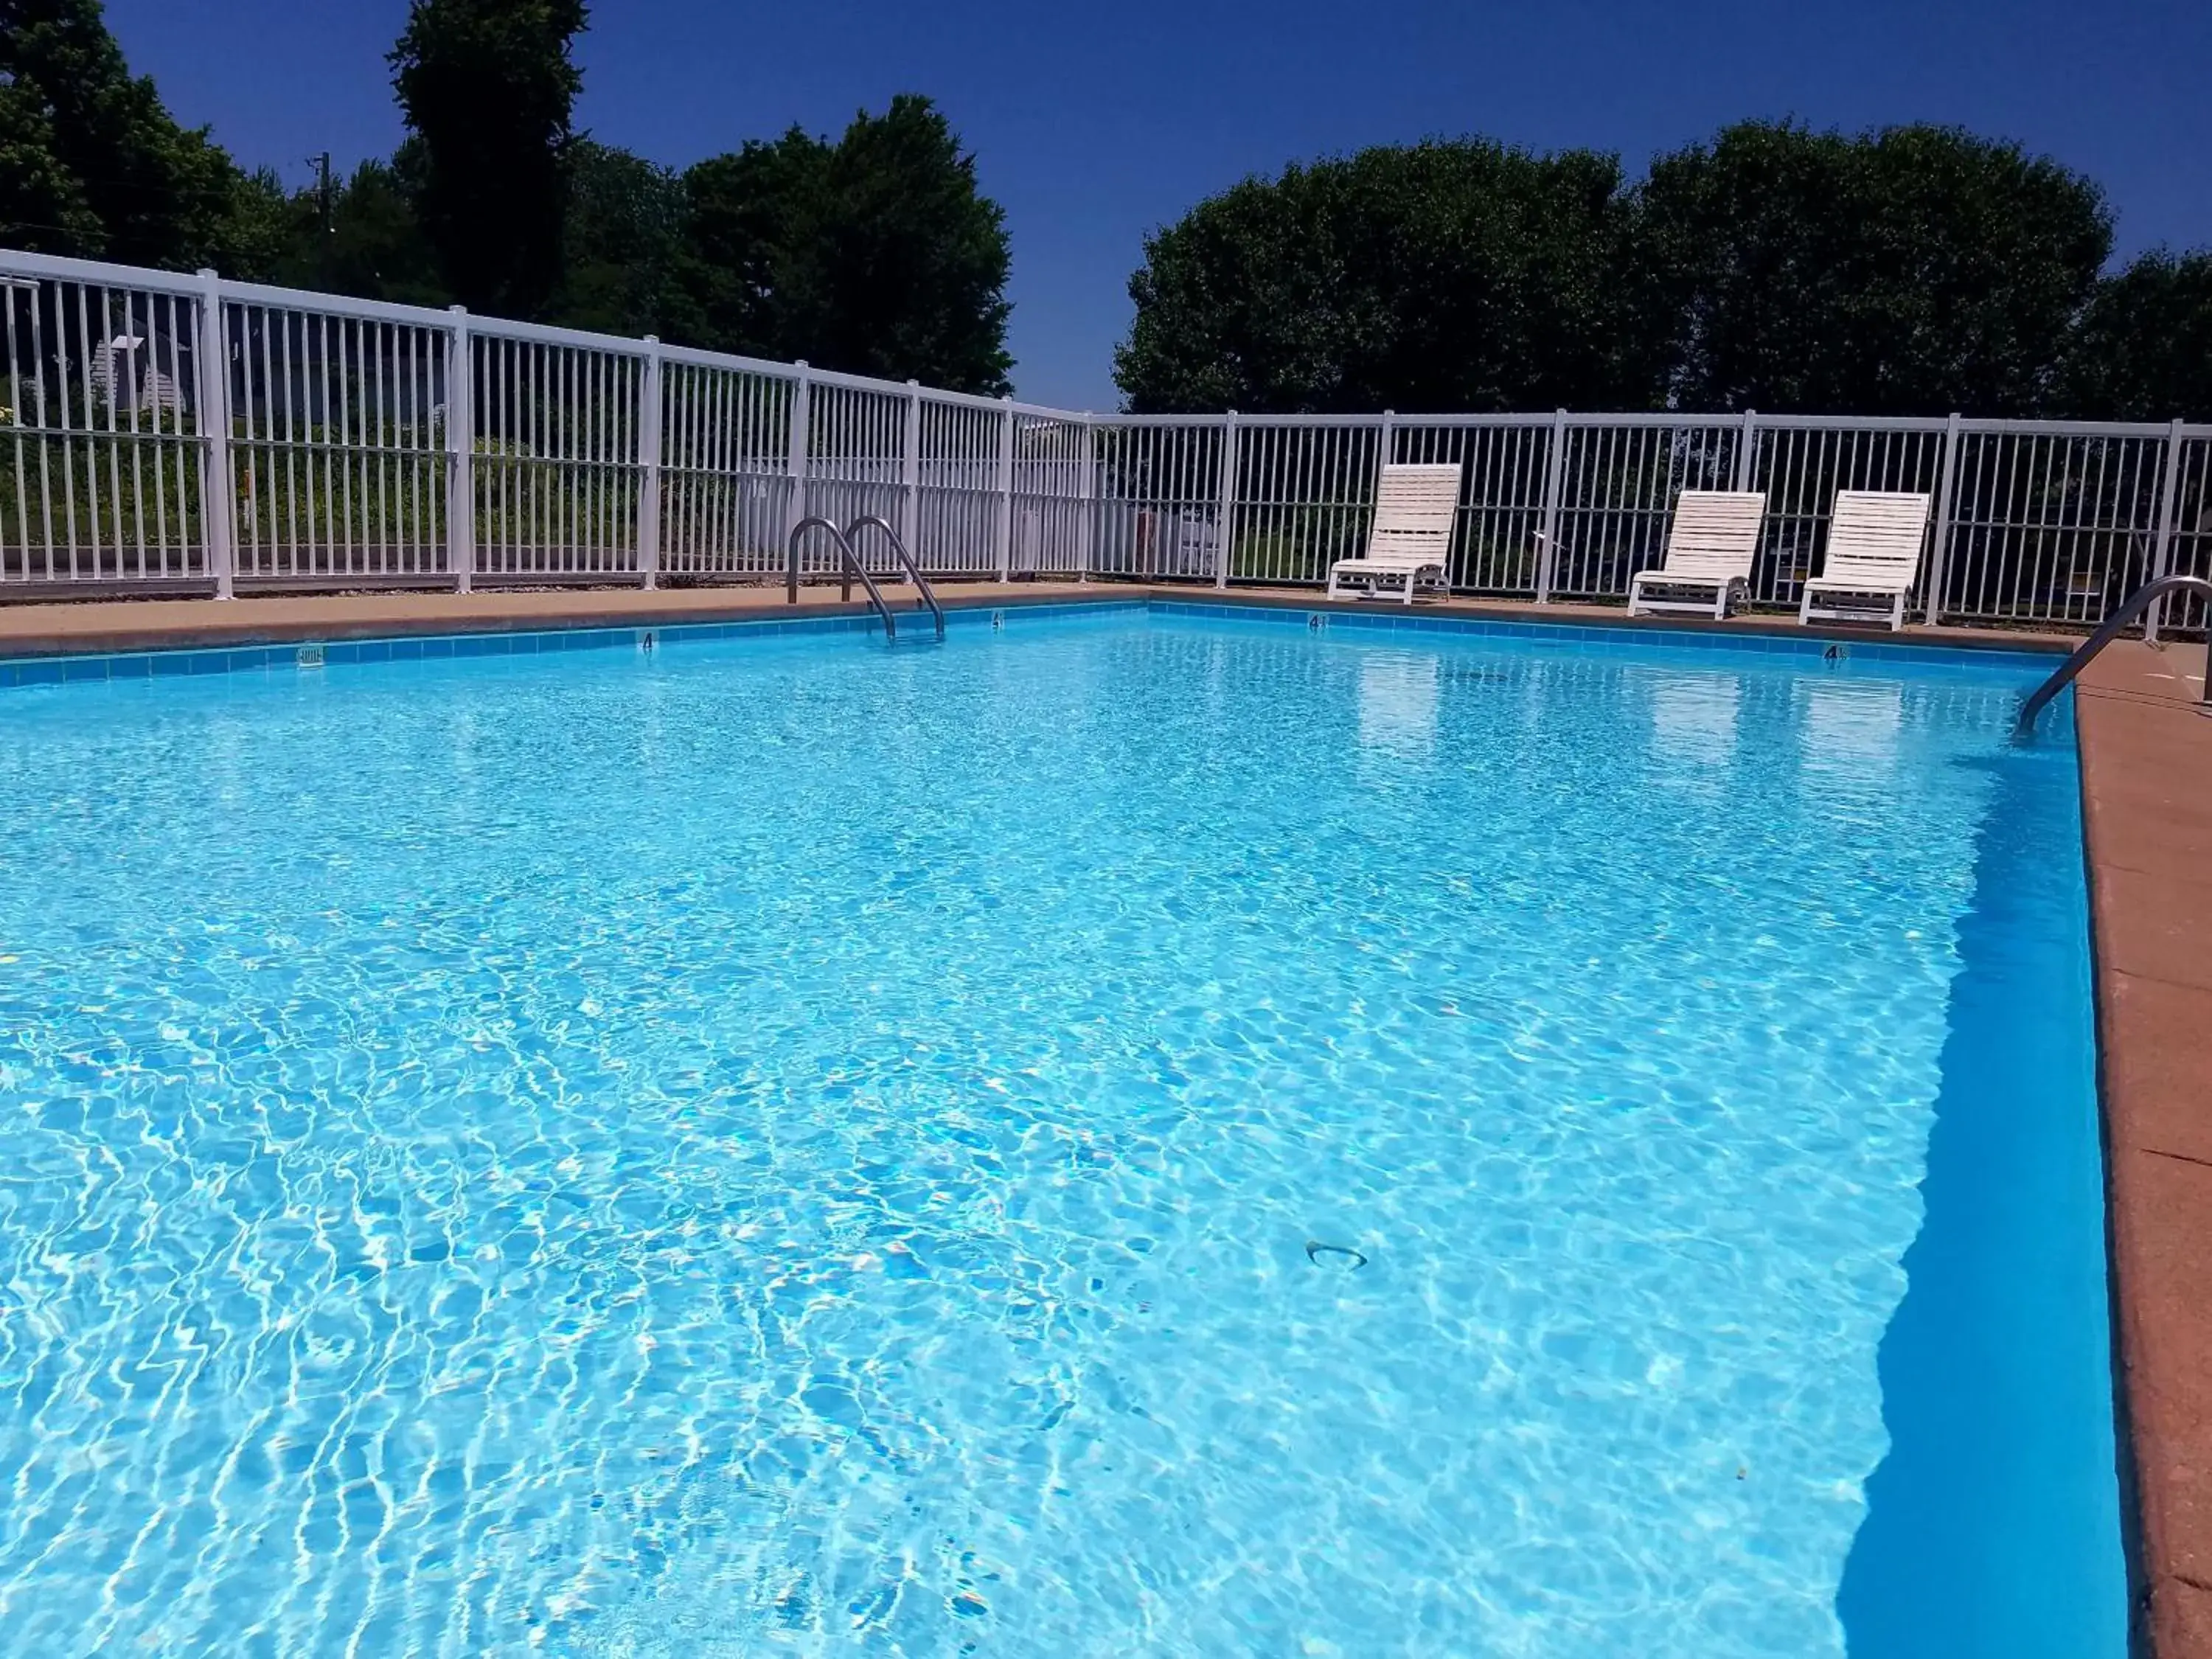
(2146, 754)
(94, 627)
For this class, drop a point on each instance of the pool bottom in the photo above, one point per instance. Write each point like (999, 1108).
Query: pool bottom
(795, 1272)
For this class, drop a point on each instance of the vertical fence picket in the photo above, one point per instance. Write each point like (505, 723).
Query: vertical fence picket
(801, 416)
(218, 492)
(649, 395)
(460, 427)
(1224, 523)
(1087, 498)
(2161, 562)
(1004, 528)
(1547, 557)
(910, 513)
(1746, 448)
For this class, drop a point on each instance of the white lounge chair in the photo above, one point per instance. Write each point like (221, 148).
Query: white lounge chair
(1710, 550)
(1875, 538)
(1411, 543)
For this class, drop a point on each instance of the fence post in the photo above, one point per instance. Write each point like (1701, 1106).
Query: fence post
(1227, 534)
(1005, 533)
(1932, 613)
(1086, 490)
(460, 447)
(2162, 557)
(218, 487)
(1385, 444)
(795, 461)
(648, 456)
(1554, 465)
(1746, 449)
(911, 472)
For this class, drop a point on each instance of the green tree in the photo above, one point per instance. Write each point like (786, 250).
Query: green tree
(2142, 351)
(1909, 271)
(487, 87)
(742, 264)
(875, 255)
(92, 164)
(1449, 276)
(374, 247)
(621, 239)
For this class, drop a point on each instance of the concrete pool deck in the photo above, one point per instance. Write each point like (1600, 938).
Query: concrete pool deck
(2146, 799)
(2146, 806)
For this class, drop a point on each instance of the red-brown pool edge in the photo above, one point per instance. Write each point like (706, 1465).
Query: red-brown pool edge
(2147, 820)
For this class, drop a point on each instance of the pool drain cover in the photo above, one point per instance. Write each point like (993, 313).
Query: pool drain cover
(1333, 1255)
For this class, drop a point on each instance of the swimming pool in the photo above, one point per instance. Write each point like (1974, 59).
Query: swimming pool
(1179, 1133)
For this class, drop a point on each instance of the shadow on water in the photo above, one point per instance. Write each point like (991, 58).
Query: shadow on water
(1993, 1525)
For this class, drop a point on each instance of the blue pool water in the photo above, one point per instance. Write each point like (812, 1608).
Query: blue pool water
(789, 1146)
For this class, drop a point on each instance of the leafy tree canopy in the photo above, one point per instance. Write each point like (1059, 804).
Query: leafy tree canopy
(488, 86)
(1449, 276)
(1910, 271)
(621, 237)
(2143, 352)
(92, 165)
(375, 247)
(875, 254)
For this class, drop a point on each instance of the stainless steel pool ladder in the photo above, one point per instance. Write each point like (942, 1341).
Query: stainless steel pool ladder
(849, 566)
(869, 520)
(2132, 607)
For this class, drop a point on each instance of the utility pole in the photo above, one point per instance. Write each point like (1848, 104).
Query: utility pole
(322, 165)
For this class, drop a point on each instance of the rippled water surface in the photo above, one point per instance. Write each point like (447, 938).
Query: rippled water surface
(789, 1146)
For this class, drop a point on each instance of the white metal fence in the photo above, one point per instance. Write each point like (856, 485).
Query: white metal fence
(164, 432)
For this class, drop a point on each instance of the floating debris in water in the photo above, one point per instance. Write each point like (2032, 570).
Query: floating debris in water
(1335, 1252)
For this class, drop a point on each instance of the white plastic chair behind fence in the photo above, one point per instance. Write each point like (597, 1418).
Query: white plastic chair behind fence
(1875, 538)
(1710, 550)
(1411, 544)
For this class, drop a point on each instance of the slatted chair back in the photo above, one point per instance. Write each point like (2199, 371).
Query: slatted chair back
(1716, 534)
(1414, 506)
(1875, 536)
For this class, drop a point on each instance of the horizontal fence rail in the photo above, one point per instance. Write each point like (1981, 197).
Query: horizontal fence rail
(168, 432)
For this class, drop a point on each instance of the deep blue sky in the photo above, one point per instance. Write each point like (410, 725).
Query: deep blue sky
(1093, 122)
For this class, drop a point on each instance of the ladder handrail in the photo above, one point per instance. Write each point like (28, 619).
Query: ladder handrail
(852, 565)
(928, 593)
(2133, 607)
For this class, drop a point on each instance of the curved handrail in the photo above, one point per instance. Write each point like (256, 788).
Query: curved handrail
(852, 567)
(928, 593)
(2133, 607)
